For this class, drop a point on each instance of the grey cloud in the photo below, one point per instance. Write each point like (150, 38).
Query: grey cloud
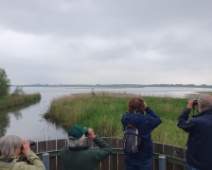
(98, 17)
(106, 41)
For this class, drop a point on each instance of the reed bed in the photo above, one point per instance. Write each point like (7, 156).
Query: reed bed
(12, 101)
(103, 111)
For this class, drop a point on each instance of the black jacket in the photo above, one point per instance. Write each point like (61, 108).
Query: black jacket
(199, 144)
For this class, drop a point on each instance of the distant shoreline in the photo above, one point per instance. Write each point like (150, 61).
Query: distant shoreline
(116, 85)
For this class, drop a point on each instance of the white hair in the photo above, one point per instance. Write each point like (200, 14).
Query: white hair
(76, 142)
(206, 100)
(9, 144)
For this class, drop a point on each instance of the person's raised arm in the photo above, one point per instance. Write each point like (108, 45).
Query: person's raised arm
(35, 162)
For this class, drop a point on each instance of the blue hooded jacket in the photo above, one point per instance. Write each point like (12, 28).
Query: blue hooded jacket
(145, 123)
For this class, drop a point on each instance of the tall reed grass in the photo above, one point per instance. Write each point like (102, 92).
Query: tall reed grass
(103, 112)
(12, 101)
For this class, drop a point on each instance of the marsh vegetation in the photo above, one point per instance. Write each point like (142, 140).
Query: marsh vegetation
(12, 101)
(103, 112)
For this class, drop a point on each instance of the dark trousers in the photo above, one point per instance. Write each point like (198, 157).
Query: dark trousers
(192, 168)
(137, 164)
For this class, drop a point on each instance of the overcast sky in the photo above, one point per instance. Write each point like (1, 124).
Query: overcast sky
(106, 41)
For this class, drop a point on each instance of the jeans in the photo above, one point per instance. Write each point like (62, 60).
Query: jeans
(137, 164)
(192, 168)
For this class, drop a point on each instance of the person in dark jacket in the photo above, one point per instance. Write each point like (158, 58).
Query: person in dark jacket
(77, 156)
(199, 127)
(145, 123)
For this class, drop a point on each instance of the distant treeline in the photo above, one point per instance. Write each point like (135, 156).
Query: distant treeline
(116, 85)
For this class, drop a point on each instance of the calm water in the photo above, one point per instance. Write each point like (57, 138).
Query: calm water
(28, 123)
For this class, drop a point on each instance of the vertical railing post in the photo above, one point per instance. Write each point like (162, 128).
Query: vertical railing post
(45, 158)
(162, 162)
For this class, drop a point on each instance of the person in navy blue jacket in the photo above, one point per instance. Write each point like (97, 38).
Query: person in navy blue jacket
(199, 127)
(145, 123)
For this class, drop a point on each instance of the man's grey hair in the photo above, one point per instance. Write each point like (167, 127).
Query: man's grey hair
(76, 142)
(9, 144)
(206, 101)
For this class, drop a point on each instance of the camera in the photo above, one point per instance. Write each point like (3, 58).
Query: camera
(86, 131)
(195, 103)
(31, 143)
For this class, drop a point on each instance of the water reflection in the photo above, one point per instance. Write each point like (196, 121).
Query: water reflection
(5, 116)
(4, 122)
(29, 123)
(18, 115)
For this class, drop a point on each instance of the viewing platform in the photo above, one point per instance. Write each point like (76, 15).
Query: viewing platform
(174, 156)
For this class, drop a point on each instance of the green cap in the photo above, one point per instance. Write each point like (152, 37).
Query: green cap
(77, 131)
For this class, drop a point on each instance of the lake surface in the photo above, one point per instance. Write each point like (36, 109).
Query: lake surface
(29, 123)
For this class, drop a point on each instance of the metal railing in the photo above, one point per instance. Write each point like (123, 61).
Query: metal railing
(166, 157)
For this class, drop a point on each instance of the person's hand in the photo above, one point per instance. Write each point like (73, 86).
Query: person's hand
(26, 147)
(145, 105)
(190, 103)
(91, 134)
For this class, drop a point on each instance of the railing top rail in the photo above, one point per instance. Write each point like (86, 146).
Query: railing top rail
(52, 146)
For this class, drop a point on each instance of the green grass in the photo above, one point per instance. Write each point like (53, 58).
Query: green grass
(103, 112)
(12, 101)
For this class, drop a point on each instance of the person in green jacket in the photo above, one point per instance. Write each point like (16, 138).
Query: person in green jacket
(12, 148)
(77, 156)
